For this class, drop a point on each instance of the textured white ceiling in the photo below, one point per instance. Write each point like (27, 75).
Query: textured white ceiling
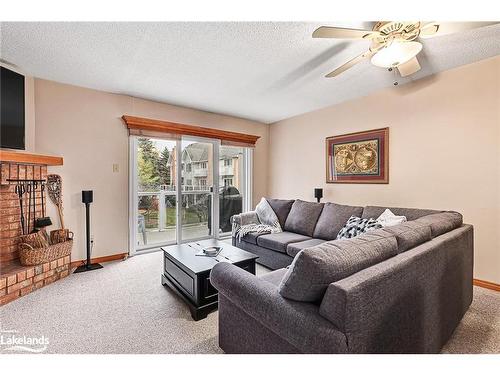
(261, 71)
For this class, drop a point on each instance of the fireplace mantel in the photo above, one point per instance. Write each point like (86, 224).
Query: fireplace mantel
(28, 158)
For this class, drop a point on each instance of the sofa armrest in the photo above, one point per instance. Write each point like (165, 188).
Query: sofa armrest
(244, 218)
(296, 322)
(236, 219)
(410, 303)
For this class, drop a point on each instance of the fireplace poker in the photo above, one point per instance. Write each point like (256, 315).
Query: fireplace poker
(28, 187)
(35, 186)
(20, 189)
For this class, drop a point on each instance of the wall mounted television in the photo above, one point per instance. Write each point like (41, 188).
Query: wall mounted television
(11, 109)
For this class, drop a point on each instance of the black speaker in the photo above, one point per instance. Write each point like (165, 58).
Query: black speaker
(318, 193)
(87, 196)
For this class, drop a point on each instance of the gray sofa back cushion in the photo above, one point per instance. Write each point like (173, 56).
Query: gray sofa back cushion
(442, 222)
(410, 213)
(333, 218)
(303, 217)
(410, 234)
(281, 208)
(315, 268)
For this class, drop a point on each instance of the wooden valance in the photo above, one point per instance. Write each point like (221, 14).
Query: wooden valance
(157, 128)
(27, 158)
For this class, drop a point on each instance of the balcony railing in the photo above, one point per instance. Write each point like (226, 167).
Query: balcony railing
(161, 201)
(200, 172)
(172, 189)
(227, 170)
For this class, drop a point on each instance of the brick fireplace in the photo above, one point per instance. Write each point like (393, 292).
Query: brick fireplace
(17, 280)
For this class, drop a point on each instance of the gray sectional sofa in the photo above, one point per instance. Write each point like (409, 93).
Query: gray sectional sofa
(399, 289)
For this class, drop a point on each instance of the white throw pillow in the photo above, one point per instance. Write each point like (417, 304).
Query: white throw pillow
(388, 219)
(266, 214)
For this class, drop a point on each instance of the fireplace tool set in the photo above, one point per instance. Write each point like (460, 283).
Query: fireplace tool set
(36, 246)
(26, 191)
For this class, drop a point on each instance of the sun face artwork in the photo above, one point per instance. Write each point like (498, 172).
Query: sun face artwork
(358, 157)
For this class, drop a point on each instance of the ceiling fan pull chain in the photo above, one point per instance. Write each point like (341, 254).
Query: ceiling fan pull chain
(393, 70)
(395, 77)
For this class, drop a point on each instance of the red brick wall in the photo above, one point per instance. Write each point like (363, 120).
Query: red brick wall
(10, 228)
(28, 279)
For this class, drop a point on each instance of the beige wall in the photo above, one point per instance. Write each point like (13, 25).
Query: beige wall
(29, 113)
(444, 151)
(85, 127)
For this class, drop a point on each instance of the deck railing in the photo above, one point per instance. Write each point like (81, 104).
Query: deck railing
(165, 191)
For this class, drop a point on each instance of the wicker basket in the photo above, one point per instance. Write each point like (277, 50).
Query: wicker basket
(29, 256)
(35, 240)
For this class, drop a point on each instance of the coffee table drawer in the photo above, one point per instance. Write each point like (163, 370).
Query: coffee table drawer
(182, 278)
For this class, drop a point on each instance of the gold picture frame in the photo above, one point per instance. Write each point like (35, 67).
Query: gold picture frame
(358, 158)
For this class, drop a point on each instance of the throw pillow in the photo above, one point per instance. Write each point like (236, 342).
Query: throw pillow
(388, 219)
(266, 214)
(356, 225)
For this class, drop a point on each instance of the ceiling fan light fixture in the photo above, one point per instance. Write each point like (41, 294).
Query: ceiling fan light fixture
(396, 53)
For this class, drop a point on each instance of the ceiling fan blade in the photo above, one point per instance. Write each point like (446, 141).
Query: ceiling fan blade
(349, 64)
(409, 67)
(433, 29)
(342, 33)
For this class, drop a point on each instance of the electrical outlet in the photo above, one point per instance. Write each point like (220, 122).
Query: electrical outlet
(116, 168)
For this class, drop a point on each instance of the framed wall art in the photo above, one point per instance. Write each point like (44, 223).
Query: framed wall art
(361, 157)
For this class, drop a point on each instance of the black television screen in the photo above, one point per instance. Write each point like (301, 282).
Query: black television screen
(12, 109)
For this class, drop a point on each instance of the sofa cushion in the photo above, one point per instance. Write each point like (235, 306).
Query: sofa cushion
(333, 218)
(279, 241)
(313, 269)
(410, 234)
(274, 277)
(356, 226)
(293, 248)
(410, 213)
(281, 207)
(442, 222)
(303, 217)
(251, 237)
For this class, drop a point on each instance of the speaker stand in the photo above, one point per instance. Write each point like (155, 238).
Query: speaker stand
(86, 268)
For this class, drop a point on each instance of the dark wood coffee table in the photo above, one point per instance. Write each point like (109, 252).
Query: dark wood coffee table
(188, 275)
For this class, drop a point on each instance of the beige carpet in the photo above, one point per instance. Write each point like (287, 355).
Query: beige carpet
(479, 330)
(123, 308)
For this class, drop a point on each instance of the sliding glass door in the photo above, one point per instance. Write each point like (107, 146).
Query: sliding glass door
(156, 194)
(185, 189)
(198, 188)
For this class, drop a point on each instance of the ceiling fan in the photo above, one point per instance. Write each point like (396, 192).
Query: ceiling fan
(393, 44)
